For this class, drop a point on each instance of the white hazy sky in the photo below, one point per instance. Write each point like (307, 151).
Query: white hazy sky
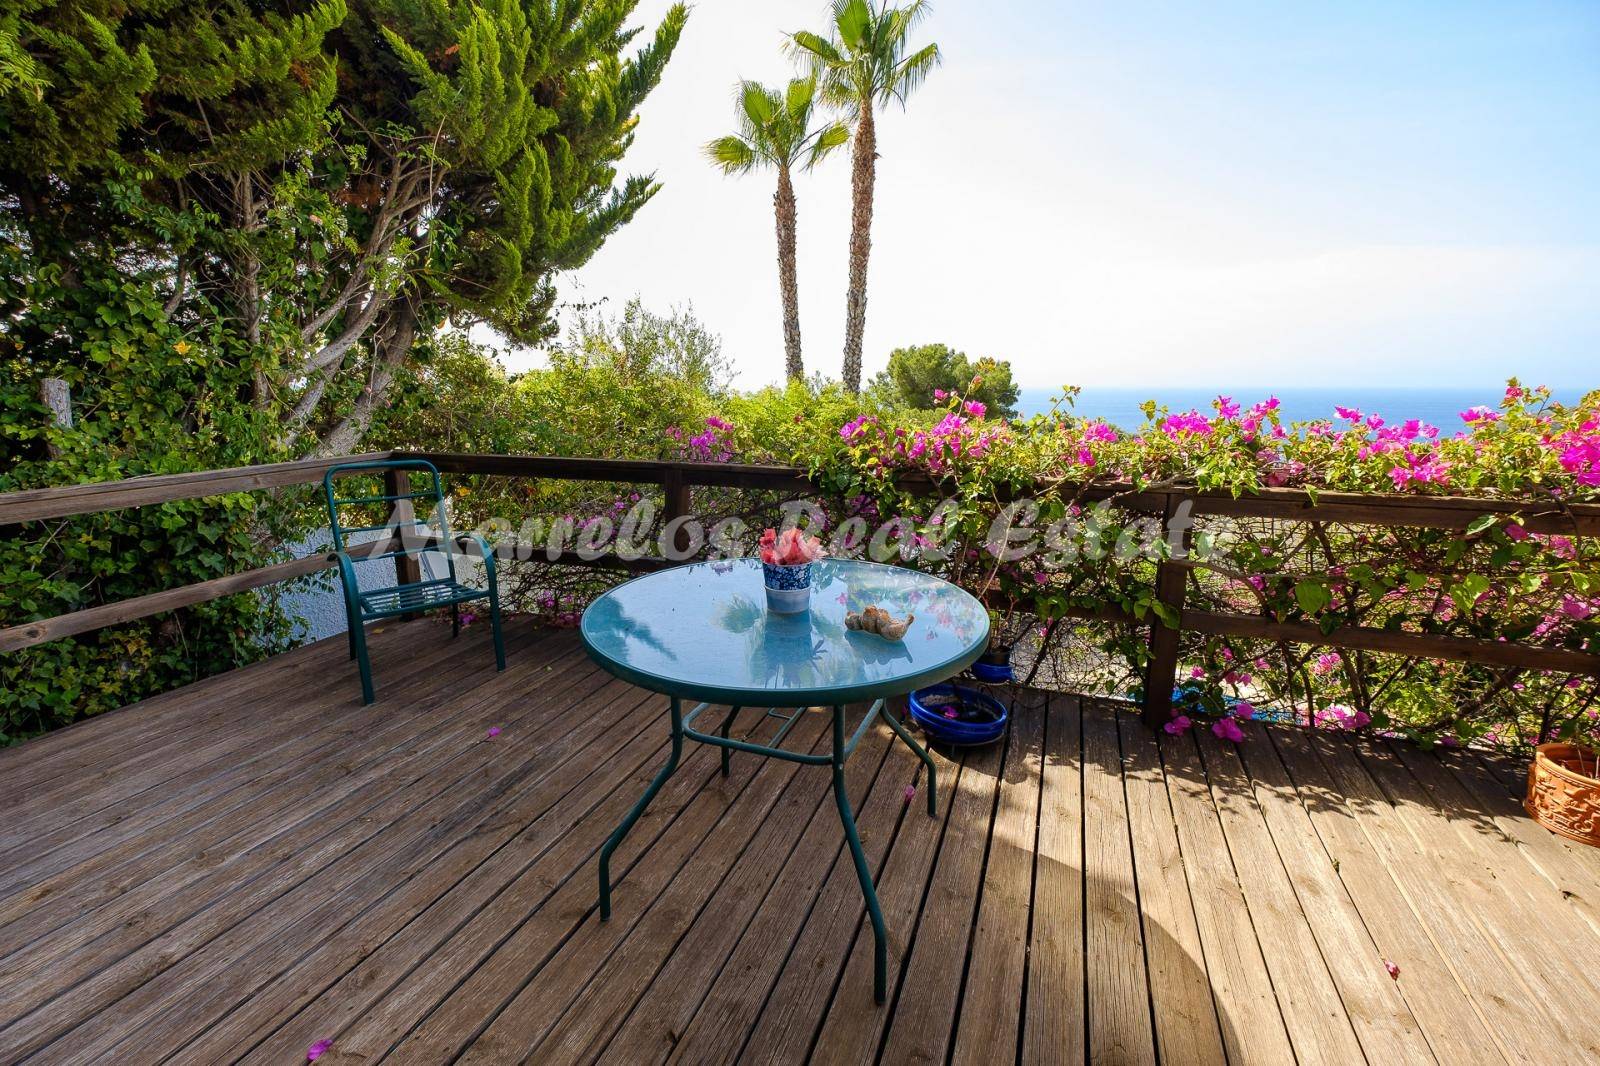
(1138, 193)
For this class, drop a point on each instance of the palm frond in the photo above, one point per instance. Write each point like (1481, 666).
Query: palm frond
(734, 155)
(910, 73)
(758, 103)
(798, 98)
(805, 43)
(824, 141)
(854, 22)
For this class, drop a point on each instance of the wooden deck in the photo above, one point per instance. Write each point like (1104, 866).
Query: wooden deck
(238, 869)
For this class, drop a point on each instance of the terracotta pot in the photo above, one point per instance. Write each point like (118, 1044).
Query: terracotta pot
(1562, 797)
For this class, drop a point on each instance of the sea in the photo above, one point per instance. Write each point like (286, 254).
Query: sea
(1437, 406)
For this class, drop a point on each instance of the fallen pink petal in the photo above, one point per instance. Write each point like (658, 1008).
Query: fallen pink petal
(911, 792)
(1394, 971)
(316, 1051)
(494, 731)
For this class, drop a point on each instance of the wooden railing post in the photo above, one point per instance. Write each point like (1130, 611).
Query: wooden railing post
(407, 568)
(1161, 672)
(679, 504)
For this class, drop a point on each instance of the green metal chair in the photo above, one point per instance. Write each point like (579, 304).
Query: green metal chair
(397, 494)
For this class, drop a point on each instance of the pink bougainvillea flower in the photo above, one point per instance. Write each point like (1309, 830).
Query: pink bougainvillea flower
(1244, 709)
(1197, 673)
(1516, 532)
(1394, 971)
(1575, 608)
(1178, 726)
(494, 731)
(317, 1050)
(1227, 729)
(976, 409)
(940, 394)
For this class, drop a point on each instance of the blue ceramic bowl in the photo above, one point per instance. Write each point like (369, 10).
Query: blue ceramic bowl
(979, 717)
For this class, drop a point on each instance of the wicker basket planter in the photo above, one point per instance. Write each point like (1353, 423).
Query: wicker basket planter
(1563, 796)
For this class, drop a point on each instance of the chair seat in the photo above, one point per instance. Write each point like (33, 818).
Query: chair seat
(404, 599)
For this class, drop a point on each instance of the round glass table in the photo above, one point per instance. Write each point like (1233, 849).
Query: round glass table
(702, 632)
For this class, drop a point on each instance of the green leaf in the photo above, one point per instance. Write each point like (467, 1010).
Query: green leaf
(1312, 595)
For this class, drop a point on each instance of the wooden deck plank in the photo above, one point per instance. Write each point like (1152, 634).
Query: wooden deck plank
(991, 1002)
(191, 873)
(1566, 870)
(1501, 997)
(685, 937)
(793, 986)
(1054, 1017)
(164, 715)
(321, 729)
(1318, 1023)
(525, 1000)
(675, 993)
(236, 886)
(1247, 1007)
(219, 710)
(432, 800)
(832, 962)
(348, 972)
(1515, 902)
(1120, 1026)
(1371, 1001)
(924, 983)
(367, 1025)
(1180, 992)
(1455, 1029)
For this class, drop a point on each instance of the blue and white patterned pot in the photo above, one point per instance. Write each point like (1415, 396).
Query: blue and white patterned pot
(788, 587)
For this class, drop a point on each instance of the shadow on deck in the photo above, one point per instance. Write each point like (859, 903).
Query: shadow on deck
(237, 869)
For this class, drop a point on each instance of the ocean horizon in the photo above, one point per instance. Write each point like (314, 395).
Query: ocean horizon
(1119, 405)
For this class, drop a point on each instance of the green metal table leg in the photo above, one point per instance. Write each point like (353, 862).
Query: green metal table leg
(727, 728)
(922, 753)
(880, 950)
(638, 809)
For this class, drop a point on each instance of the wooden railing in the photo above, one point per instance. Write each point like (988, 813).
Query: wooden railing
(678, 479)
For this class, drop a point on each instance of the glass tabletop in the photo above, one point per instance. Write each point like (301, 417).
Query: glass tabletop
(703, 631)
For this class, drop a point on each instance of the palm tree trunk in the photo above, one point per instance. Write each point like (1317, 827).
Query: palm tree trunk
(863, 175)
(788, 280)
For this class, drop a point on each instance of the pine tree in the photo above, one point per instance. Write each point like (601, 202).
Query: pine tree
(318, 187)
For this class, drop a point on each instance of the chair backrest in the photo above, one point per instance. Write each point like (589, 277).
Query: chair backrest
(397, 496)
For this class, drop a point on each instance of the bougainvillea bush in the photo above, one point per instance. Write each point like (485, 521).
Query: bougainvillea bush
(1017, 510)
(1494, 581)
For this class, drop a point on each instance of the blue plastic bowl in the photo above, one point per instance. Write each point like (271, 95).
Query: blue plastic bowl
(982, 718)
(992, 673)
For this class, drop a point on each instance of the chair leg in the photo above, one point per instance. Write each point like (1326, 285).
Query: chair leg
(494, 622)
(358, 644)
(455, 620)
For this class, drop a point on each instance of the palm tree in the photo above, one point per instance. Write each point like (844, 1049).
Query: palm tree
(861, 65)
(775, 130)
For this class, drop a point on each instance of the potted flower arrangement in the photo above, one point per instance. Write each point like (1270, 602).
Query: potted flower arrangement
(786, 560)
(1564, 791)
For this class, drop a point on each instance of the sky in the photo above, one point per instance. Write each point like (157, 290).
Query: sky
(1137, 194)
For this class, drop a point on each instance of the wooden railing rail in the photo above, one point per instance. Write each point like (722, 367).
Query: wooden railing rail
(678, 479)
